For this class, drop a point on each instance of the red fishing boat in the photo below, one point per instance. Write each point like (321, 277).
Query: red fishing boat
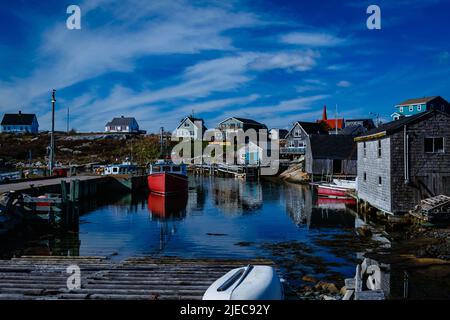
(336, 189)
(167, 178)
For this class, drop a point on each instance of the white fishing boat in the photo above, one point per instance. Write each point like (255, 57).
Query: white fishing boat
(247, 283)
(347, 184)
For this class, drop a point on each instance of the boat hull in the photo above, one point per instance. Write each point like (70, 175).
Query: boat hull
(260, 283)
(332, 192)
(167, 183)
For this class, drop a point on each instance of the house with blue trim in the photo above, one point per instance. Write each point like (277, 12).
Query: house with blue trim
(19, 123)
(412, 107)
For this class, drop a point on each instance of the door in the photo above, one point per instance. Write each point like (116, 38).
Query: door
(337, 166)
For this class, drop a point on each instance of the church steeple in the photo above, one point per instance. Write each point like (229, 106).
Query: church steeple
(324, 115)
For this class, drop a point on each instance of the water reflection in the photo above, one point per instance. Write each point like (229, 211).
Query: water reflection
(208, 221)
(167, 207)
(237, 197)
(306, 209)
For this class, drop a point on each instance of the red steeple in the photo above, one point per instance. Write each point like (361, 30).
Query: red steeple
(324, 115)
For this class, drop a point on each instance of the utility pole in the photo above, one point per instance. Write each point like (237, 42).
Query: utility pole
(68, 119)
(52, 136)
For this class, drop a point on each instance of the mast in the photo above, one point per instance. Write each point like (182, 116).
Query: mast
(336, 119)
(52, 136)
(161, 140)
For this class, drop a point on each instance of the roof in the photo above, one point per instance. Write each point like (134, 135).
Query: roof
(417, 100)
(354, 130)
(332, 123)
(283, 133)
(396, 125)
(248, 121)
(24, 119)
(312, 127)
(122, 121)
(333, 147)
(193, 120)
(359, 120)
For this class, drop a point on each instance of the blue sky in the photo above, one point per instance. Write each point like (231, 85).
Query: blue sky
(273, 61)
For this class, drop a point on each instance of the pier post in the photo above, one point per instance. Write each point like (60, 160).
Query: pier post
(64, 191)
(74, 190)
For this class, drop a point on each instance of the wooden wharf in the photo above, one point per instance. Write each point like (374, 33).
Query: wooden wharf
(141, 278)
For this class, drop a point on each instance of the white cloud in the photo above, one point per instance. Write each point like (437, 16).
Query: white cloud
(311, 85)
(291, 61)
(67, 57)
(312, 39)
(283, 107)
(344, 84)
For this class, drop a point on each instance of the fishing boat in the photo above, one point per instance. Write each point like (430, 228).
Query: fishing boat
(247, 283)
(167, 178)
(337, 189)
(45, 202)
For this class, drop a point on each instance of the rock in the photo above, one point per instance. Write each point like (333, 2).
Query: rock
(309, 279)
(328, 287)
(325, 297)
(307, 288)
(343, 290)
(364, 231)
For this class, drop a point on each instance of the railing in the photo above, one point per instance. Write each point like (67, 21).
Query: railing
(293, 150)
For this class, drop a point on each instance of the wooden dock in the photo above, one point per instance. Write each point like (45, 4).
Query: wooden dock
(86, 185)
(142, 278)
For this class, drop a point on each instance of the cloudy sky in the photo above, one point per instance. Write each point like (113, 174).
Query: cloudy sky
(273, 61)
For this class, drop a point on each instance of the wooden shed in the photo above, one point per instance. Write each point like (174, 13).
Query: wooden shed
(331, 155)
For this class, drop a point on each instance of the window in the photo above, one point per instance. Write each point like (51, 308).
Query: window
(365, 149)
(186, 124)
(365, 176)
(379, 181)
(434, 145)
(379, 148)
(411, 108)
(401, 109)
(419, 107)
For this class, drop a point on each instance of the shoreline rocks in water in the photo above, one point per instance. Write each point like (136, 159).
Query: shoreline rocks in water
(295, 173)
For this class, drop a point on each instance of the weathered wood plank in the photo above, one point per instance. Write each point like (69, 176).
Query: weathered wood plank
(35, 277)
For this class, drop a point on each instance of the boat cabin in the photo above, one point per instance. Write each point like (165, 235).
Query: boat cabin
(119, 169)
(167, 167)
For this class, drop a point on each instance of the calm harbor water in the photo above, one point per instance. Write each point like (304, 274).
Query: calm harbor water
(218, 218)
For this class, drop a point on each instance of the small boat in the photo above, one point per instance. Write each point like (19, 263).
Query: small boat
(337, 189)
(332, 190)
(119, 169)
(247, 283)
(167, 178)
(45, 202)
(350, 184)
